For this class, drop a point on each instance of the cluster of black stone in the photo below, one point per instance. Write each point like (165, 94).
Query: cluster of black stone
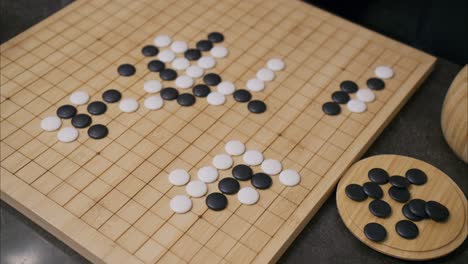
(217, 201)
(199, 90)
(96, 131)
(342, 97)
(414, 210)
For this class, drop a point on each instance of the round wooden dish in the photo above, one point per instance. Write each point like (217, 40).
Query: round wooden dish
(435, 239)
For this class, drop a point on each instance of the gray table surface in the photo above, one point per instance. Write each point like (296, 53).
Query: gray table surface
(414, 132)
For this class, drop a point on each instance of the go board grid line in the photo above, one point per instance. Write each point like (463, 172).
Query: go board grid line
(278, 108)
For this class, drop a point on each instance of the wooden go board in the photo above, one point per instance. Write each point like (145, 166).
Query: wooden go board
(435, 239)
(108, 199)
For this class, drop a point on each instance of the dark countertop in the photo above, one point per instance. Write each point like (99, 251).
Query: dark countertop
(414, 132)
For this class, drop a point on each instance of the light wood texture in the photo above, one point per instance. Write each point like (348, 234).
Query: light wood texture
(455, 115)
(435, 239)
(108, 199)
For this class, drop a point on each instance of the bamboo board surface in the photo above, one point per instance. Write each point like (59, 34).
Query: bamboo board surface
(435, 239)
(108, 199)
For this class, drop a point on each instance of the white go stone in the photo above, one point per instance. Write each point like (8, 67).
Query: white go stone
(179, 46)
(222, 161)
(162, 41)
(180, 64)
(194, 71)
(216, 98)
(356, 106)
(234, 147)
(67, 134)
(179, 177)
(51, 123)
(365, 95)
(248, 195)
(265, 75)
(219, 52)
(196, 188)
(206, 62)
(255, 85)
(289, 177)
(271, 166)
(128, 105)
(226, 87)
(180, 204)
(79, 97)
(152, 86)
(154, 102)
(208, 174)
(184, 82)
(275, 64)
(384, 72)
(166, 55)
(252, 157)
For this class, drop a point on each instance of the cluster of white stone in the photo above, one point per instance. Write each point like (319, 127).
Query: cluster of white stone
(224, 161)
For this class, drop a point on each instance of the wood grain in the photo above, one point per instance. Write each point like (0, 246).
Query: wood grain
(455, 115)
(108, 199)
(435, 239)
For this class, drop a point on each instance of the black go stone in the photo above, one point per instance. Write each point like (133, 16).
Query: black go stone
(242, 96)
(399, 181)
(201, 90)
(97, 108)
(215, 37)
(401, 195)
(378, 175)
(355, 192)
(418, 207)
(149, 51)
(261, 181)
(169, 94)
(375, 84)
(256, 106)
(416, 176)
(375, 232)
(204, 45)
(373, 190)
(349, 87)
(340, 97)
(111, 96)
(66, 111)
(407, 229)
(408, 214)
(331, 108)
(81, 121)
(168, 74)
(98, 131)
(192, 54)
(242, 172)
(216, 201)
(380, 208)
(186, 99)
(437, 211)
(126, 69)
(156, 66)
(229, 186)
(211, 79)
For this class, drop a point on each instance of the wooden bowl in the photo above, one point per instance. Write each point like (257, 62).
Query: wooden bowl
(455, 115)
